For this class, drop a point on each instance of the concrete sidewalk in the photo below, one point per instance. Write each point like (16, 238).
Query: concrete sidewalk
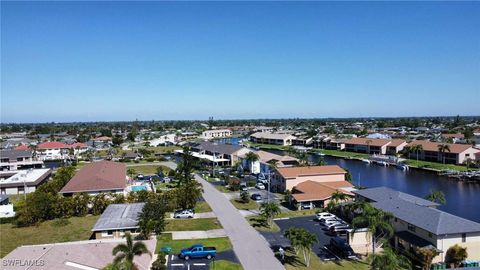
(176, 235)
(251, 248)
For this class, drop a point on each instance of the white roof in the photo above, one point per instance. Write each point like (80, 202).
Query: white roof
(275, 136)
(27, 176)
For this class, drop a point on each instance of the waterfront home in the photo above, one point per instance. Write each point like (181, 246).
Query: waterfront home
(369, 146)
(13, 160)
(98, 177)
(456, 154)
(272, 138)
(59, 150)
(309, 194)
(118, 219)
(454, 137)
(263, 166)
(164, 140)
(85, 255)
(24, 181)
(217, 154)
(327, 142)
(216, 133)
(263, 129)
(396, 146)
(419, 224)
(286, 178)
(302, 140)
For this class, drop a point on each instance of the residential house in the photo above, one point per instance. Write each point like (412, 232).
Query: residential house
(98, 177)
(457, 153)
(454, 137)
(216, 133)
(24, 181)
(12, 160)
(329, 143)
(217, 154)
(85, 255)
(59, 150)
(263, 164)
(396, 146)
(286, 178)
(263, 129)
(164, 140)
(302, 140)
(319, 194)
(118, 219)
(419, 224)
(133, 156)
(369, 146)
(272, 138)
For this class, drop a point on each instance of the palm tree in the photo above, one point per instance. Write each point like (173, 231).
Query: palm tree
(269, 211)
(377, 222)
(338, 196)
(124, 253)
(416, 148)
(425, 257)
(131, 172)
(33, 147)
(251, 157)
(388, 260)
(442, 148)
(368, 142)
(436, 196)
(303, 240)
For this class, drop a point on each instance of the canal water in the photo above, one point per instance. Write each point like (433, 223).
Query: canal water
(462, 199)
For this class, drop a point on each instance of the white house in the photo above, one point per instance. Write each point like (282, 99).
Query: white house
(216, 133)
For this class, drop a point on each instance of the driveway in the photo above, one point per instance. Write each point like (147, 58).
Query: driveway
(251, 248)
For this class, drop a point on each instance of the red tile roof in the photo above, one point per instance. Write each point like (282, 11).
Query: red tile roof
(314, 191)
(52, 145)
(98, 176)
(22, 147)
(75, 145)
(292, 172)
(433, 146)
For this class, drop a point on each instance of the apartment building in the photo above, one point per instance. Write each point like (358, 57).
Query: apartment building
(455, 154)
(216, 133)
(272, 138)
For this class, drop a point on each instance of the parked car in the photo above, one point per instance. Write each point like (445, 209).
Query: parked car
(341, 247)
(186, 213)
(166, 179)
(260, 186)
(198, 251)
(306, 205)
(339, 229)
(243, 187)
(325, 215)
(256, 197)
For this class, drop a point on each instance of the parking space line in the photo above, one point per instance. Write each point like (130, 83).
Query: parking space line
(200, 264)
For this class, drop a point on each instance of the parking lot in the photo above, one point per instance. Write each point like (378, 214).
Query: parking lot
(310, 224)
(175, 263)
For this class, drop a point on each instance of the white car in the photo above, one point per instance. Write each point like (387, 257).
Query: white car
(187, 213)
(260, 186)
(325, 215)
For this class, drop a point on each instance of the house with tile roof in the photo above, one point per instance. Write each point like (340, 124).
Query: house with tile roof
(457, 153)
(286, 178)
(98, 177)
(272, 138)
(419, 224)
(319, 194)
(263, 166)
(375, 146)
(59, 150)
(215, 153)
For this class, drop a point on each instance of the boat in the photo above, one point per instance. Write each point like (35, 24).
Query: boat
(366, 161)
(320, 154)
(402, 167)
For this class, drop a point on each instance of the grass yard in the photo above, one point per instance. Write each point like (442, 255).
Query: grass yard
(224, 265)
(338, 153)
(79, 228)
(200, 224)
(258, 223)
(202, 207)
(221, 243)
(244, 206)
(294, 262)
(435, 165)
(223, 189)
(298, 213)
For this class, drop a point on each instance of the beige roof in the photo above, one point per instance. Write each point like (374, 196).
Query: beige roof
(274, 136)
(433, 146)
(453, 135)
(73, 255)
(365, 141)
(267, 156)
(98, 176)
(396, 142)
(313, 191)
(292, 172)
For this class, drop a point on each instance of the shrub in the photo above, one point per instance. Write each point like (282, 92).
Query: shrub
(244, 196)
(159, 263)
(150, 159)
(60, 222)
(234, 184)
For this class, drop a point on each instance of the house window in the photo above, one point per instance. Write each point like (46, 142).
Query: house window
(411, 227)
(464, 237)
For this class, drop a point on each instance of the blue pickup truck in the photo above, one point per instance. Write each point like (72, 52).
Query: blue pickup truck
(198, 251)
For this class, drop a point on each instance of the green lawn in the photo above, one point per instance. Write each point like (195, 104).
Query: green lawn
(225, 265)
(258, 223)
(202, 207)
(338, 153)
(200, 224)
(244, 206)
(221, 243)
(222, 189)
(435, 165)
(79, 228)
(298, 213)
(294, 262)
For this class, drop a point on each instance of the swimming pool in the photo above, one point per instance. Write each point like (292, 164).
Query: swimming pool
(138, 188)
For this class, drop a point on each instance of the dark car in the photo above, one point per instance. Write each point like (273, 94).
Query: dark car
(256, 197)
(341, 247)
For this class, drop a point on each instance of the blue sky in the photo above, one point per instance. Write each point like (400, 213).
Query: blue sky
(87, 61)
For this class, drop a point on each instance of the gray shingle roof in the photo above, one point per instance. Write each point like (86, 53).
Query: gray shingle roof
(417, 211)
(14, 154)
(119, 216)
(226, 149)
